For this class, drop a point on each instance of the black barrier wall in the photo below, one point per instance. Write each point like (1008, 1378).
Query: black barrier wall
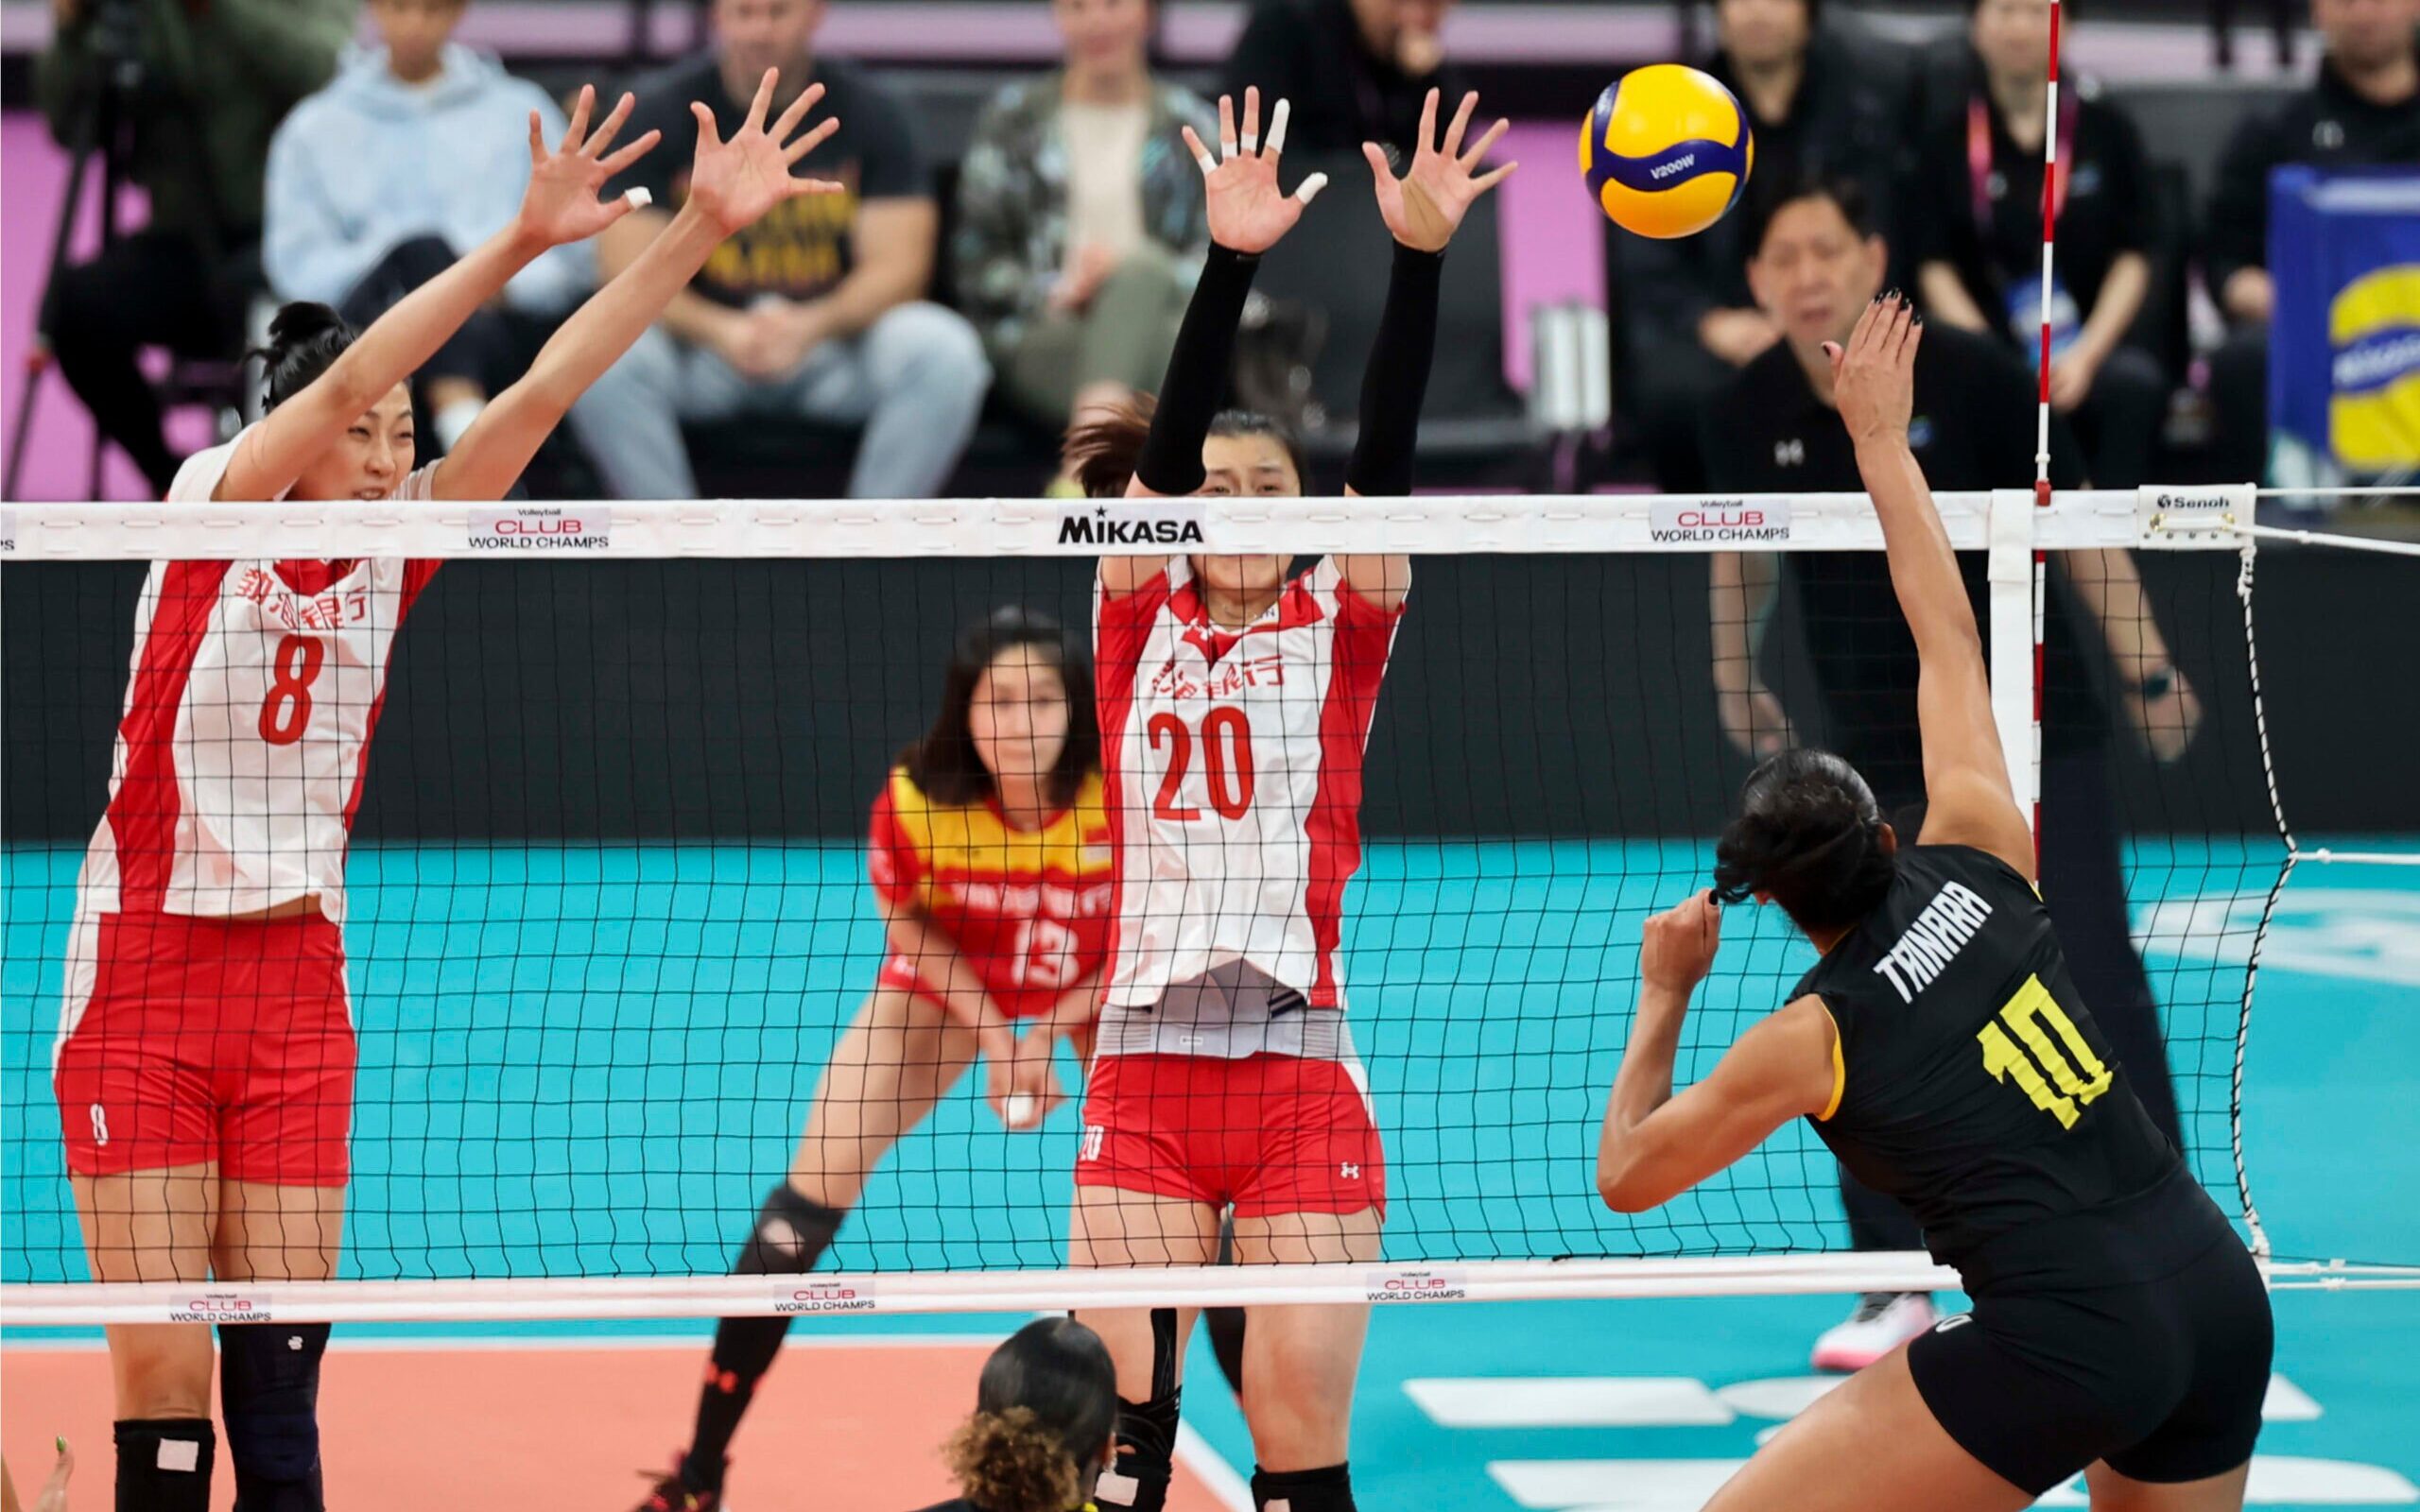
(1561, 695)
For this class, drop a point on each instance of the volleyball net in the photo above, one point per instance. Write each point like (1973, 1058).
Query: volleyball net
(607, 906)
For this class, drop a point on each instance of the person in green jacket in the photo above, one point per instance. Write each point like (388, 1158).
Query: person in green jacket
(214, 78)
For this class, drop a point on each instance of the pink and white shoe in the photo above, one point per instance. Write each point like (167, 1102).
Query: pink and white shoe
(1882, 1322)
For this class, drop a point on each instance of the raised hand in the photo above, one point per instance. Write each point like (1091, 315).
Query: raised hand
(1425, 206)
(1873, 376)
(735, 182)
(1247, 212)
(560, 205)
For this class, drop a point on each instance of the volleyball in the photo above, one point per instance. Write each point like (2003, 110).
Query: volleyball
(1667, 151)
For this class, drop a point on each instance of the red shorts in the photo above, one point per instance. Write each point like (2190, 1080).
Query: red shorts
(208, 1039)
(899, 972)
(1268, 1133)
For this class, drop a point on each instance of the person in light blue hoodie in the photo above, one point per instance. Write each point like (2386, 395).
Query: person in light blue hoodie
(382, 180)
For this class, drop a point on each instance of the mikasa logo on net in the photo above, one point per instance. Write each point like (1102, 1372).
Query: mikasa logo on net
(1734, 520)
(1132, 523)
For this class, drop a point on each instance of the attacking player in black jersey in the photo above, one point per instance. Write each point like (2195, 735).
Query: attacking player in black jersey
(2120, 1328)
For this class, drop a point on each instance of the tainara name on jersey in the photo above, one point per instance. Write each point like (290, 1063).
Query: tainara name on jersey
(1933, 939)
(304, 611)
(1103, 528)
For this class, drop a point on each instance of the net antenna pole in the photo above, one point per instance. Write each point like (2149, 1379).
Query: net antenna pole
(2051, 196)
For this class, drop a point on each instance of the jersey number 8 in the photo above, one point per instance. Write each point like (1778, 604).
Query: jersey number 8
(2060, 1084)
(294, 666)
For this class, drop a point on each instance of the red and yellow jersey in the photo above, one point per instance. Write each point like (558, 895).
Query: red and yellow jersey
(1030, 909)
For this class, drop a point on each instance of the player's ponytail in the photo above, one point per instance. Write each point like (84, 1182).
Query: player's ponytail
(304, 340)
(1044, 1412)
(1809, 836)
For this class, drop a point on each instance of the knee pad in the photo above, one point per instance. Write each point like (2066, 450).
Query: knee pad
(164, 1462)
(791, 1234)
(1138, 1475)
(268, 1391)
(1327, 1490)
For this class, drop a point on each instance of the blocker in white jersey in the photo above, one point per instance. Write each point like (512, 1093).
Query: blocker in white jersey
(205, 1015)
(1233, 760)
(1225, 1073)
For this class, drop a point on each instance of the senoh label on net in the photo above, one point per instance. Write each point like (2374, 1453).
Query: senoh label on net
(222, 1307)
(825, 1296)
(2164, 509)
(1417, 1286)
(1138, 526)
(1739, 521)
(586, 528)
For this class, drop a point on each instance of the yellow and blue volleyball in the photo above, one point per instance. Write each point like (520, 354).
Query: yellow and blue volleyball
(1667, 151)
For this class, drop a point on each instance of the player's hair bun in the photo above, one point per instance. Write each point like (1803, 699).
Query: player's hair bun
(1007, 1461)
(1100, 453)
(1808, 835)
(304, 340)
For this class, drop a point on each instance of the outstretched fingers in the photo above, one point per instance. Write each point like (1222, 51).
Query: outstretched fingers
(1249, 141)
(707, 135)
(821, 133)
(763, 104)
(603, 136)
(1493, 176)
(1277, 119)
(790, 119)
(1452, 146)
(577, 129)
(1226, 129)
(537, 140)
(1477, 154)
(1201, 154)
(632, 153)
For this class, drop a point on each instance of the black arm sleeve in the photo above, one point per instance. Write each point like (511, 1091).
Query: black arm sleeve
(1397, 378)
(1197, 378)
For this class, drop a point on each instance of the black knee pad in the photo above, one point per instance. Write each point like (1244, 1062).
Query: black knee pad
(269, 1394)
(1137, 1478)
(791, 1234)
(164, 1463)
(1327, 1490)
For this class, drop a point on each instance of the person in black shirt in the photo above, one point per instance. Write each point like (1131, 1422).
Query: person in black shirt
(819, 312)
(1975, 223)
(2364, 107)
(1043, 1412)
(1943, 1051)
(1355, 70)
(1814, 107)
(1816, 264)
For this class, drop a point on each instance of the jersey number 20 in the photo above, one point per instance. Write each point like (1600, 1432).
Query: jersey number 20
(1226, 761)
(2061, 1078)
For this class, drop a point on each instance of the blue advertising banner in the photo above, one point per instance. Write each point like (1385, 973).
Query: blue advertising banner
(2344, 343)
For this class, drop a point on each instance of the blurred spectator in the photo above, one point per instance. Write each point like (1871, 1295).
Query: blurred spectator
(2364, 108)
(1975, 223)
(1817, 261)
(214, 81)
(1045, 1409)
(1080, 221)
(416, 154)
(817, 311)
(1689, 321)
(1355, 70)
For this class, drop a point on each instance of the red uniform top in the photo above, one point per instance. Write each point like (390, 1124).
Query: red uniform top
(1029, 909)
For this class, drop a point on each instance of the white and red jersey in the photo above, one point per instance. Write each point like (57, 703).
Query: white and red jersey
(254, 687)
(1233, 767)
